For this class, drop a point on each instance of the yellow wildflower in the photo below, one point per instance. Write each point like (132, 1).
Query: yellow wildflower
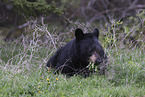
(57, 79)
(47, 79)
(49, 83)
(39, 91)
(48, 71)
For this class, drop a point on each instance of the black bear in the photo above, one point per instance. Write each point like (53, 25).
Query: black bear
(76, 55)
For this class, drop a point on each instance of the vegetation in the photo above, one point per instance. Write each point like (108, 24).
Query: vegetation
(35, 9)
(23, 71)
(29, 8)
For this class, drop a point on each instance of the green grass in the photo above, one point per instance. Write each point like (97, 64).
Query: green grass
(23, 73)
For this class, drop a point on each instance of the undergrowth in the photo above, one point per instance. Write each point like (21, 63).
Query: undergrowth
(23, 71)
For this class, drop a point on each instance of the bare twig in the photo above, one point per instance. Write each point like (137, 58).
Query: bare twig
(52, 40)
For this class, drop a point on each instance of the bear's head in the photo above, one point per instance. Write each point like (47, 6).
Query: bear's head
(89, 48)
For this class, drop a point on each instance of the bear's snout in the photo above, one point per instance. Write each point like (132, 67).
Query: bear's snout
(95, 58)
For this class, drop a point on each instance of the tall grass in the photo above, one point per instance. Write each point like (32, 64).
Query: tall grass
(23, 72)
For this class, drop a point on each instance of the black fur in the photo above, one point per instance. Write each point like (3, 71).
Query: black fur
(74, 56)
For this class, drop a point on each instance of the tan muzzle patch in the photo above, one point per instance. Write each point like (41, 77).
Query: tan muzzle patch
(93, 58)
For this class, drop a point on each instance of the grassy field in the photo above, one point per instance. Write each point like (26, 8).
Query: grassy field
(23, 73)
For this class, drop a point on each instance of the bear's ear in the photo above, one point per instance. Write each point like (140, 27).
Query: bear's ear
(96, 32)
(79, 34)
